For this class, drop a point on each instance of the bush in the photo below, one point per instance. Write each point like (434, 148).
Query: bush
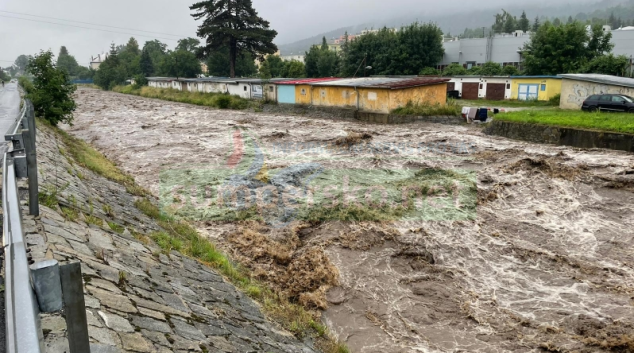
(139, 81)
(454, 70)
(223, 101)
(26, 84)
(510, 70)
(555, 100)
(52, 90)
(429, 71)
(491, 69)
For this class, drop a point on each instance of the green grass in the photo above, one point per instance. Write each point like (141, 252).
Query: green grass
(216, 100)
(509, 103)
(48, 196)
(70, 214)
(616, 122)
(420, 109)
(115, 227)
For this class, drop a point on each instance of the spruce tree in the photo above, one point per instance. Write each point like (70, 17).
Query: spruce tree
(145, 63)
(524, 24)
(233, 24)
(536, 24)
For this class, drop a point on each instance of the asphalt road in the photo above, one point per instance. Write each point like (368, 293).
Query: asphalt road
(9, 110)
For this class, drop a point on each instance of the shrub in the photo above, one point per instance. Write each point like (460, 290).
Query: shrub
(223, 101)
(429, 71)
(510, 70)
(26, 84)
(139, 81)
(52, 90)
(454, 70)
(555, 100)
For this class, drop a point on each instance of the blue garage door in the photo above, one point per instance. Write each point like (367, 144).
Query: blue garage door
(528, 92)
(286, 94)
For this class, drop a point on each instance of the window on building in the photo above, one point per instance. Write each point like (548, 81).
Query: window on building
(470, 64)
(303, 91)
(508, 86)
(271, 88)
(245, 88)
(543, 88)
(481, 86)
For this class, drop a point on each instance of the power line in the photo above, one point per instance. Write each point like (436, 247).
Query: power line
(94, 29)
(94, 24)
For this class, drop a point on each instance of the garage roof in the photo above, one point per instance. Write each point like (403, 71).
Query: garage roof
(306, 81)
(602, 79)
(385, 82)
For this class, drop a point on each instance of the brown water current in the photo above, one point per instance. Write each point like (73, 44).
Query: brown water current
(547, 264)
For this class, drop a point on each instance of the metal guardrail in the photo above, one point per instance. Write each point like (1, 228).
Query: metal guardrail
(23, 327)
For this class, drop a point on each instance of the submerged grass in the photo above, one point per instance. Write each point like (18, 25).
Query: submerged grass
(616, 122)
(422, 109)
(216, 100)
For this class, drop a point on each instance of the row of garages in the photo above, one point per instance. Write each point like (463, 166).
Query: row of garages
(384, 94)
(371, 94)
(506, 87)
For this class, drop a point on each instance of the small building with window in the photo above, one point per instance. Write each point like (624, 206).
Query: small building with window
(481, 87)
(161, 82)
(379, 95)
(297, 91)
(575, 88)
(540, 88)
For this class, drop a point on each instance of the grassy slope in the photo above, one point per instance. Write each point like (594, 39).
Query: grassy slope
(511, 103)
(216, 100)
(616, 122)
(416, 109)
(182, 237)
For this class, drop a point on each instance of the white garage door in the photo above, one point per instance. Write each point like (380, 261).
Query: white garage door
(528, 92)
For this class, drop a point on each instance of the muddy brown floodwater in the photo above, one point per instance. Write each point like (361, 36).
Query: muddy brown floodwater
(547, 264)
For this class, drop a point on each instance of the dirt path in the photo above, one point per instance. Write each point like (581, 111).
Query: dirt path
(546, 264)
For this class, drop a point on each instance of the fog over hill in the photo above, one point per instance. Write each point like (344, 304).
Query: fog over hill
(454, 22)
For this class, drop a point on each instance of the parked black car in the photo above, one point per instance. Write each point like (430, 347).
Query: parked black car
(609, 103)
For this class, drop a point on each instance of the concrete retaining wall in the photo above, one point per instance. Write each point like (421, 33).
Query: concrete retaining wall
(352, 114)
(310, 111)
(561, 135)
(407, 119)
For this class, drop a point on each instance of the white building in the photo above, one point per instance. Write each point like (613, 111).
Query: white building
(506, 49)
(95, 61)
(299, 58)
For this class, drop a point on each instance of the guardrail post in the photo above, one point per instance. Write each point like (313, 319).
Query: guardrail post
(74, 308)
(47, 285)
(28, 137)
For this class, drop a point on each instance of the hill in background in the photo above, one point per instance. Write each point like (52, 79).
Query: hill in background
(455, 24)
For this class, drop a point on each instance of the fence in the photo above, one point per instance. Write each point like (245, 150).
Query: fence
(23, 331)
(44, 286)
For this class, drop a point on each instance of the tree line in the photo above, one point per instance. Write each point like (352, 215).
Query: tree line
(407, 51)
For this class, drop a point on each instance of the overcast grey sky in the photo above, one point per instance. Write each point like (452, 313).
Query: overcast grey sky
(293, 19)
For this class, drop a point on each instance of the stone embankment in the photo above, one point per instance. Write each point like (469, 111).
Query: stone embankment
(138, 299)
